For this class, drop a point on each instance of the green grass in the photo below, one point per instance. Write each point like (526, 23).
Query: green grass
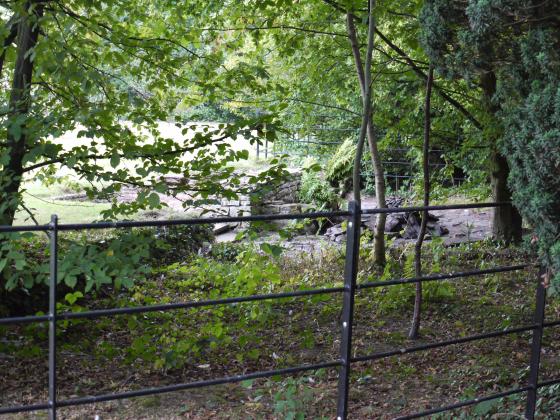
(39, 200)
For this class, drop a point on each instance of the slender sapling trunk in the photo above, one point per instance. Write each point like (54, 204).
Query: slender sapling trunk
(415, 327)
(364, 78)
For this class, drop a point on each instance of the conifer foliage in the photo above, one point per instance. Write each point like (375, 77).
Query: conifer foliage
(514, 45)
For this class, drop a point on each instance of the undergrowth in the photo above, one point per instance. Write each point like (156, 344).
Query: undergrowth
(213, 342)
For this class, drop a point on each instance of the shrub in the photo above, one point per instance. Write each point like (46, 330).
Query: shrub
(226, 251)
(401, 265)
(169, 342)
(118, 259)
(175, 243)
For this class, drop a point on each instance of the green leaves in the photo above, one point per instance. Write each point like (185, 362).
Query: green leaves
(154, 200)
(315, 190)
(71, 279)
(115, 159)
(486, 407)
(14, 266)
(83, 264)
(15, 129)
(72, 298)
(518, 70)
(248, 384)
(271, 249)
(103, 88)
(249, 273)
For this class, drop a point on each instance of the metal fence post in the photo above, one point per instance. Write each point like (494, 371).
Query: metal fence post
(52, 315)
(536, 347)
(350, 274)
(265, 143)
(266, 149)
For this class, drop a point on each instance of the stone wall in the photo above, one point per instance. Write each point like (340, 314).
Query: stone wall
(278, 199)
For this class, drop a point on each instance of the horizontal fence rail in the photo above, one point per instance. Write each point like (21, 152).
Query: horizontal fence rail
(395, 163)
(232, 219)
(348, 291)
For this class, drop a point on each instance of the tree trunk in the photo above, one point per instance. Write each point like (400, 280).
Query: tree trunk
(506, 220)
(364, 74)
(17, 137)
(379, 232)
(10, 38)
(415, 327)
(364, 77)
(20, 102)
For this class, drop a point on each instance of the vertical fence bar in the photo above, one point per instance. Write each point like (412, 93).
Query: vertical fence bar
(52, 315)
(350, 274)
(266, 149)
(265, 142)
(536, 347)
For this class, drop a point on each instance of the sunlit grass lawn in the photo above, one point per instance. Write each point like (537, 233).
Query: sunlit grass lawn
(39, 200)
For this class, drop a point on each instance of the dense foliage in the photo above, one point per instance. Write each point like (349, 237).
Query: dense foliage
(117, 74)
(112, 74)
(511, 48)
(87, 262)
(532, 139)
(315, 190)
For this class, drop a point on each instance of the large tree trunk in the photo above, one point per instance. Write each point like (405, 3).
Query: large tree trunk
(17, 138)
(20, 102)
(506, 220)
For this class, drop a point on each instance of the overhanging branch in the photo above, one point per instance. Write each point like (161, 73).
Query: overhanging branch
(64, 157)
(422, 74)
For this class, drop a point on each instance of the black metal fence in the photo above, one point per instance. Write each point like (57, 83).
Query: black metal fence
(398, 169)
(344, 362)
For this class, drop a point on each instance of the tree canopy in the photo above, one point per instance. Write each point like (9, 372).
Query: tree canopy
(113, 71)
(91, 67)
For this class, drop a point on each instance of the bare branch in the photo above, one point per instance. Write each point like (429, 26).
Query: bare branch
(275, 27)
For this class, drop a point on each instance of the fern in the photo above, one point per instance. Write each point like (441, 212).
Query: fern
(339, 167)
